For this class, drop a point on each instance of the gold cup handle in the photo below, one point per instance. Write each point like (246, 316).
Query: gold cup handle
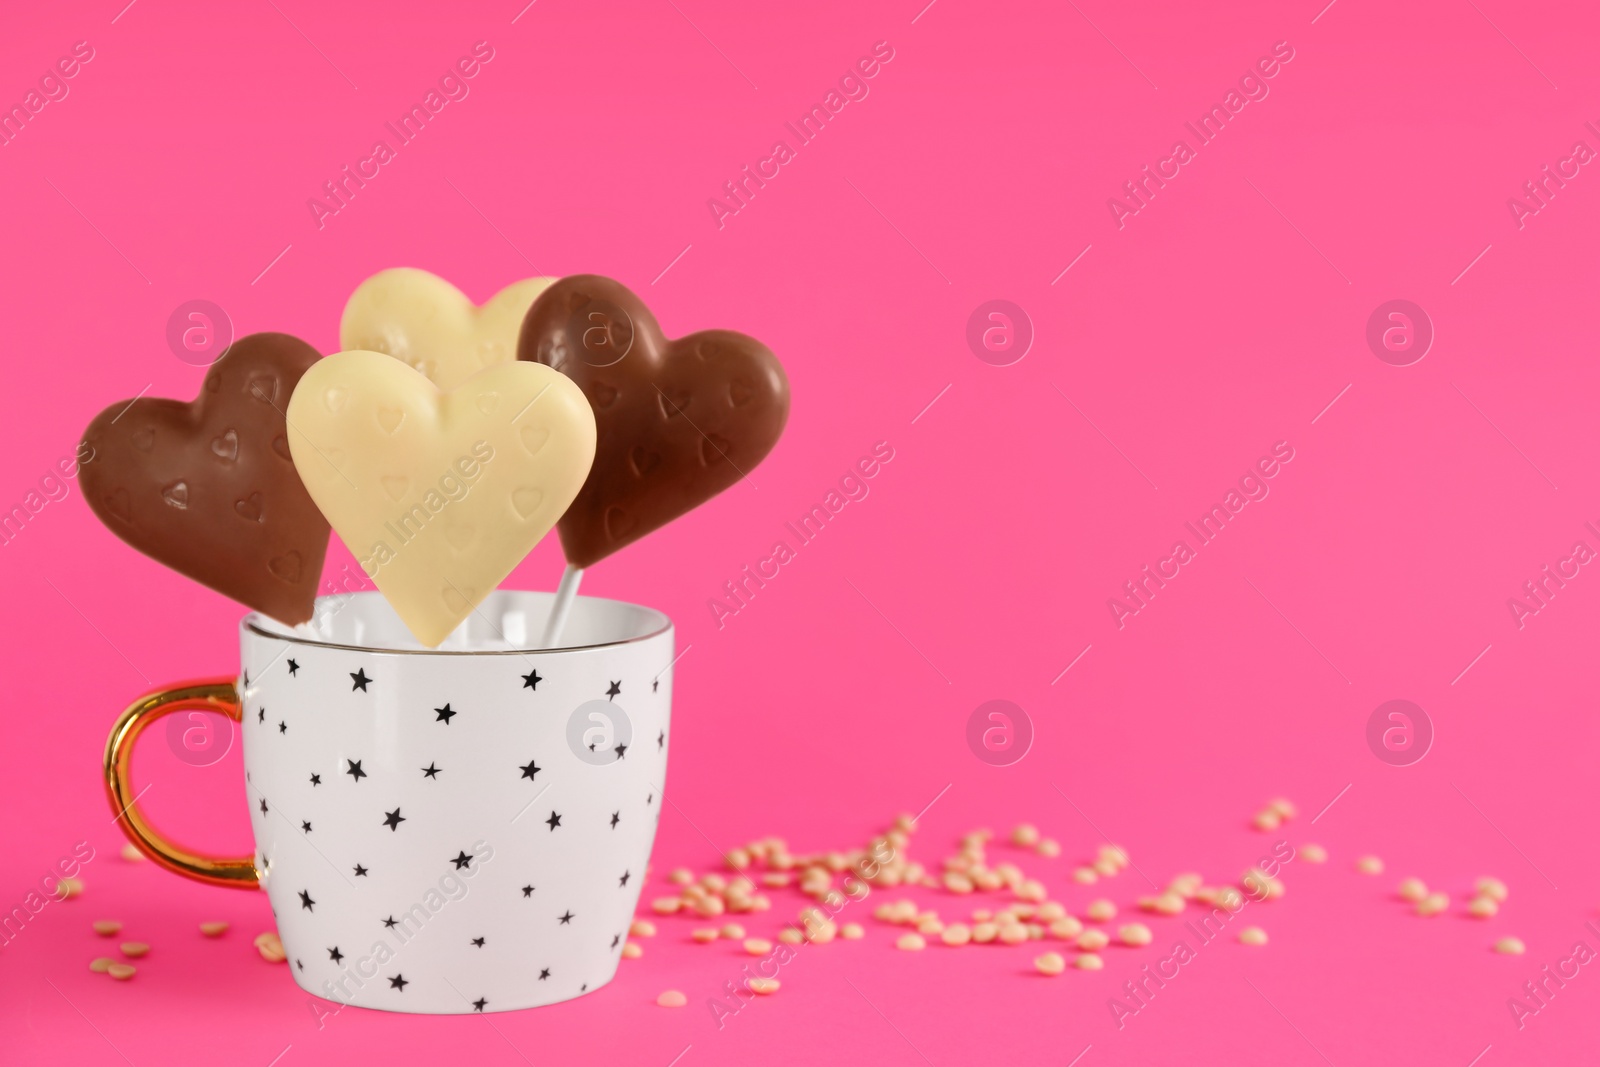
(207, 694)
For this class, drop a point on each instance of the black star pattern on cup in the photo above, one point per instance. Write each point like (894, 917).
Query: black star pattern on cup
(616, 817)
(655, 685)
(621, 751)
(283, 727)
(393, 819)
(360, 680)
(247, 679)
(478, 942)
(477, 1005)
(661, 740)
(305, 901)
(553, 821)
(527, 890)
(430, 771)
(530, 770)
(462, 860)
(531, 680)
(650, 799)
(294, 668)
(354, 769)
(316, 779)
(616, 940)
(544, 972)
(298, 965)
(584, 988)
(390, 923)
(566, 920)
(444, 714)
(615, 690)
(335, 955)
(263, 805)
(261, 715)
(622, 883)
(305, 826)
(398, 982)
(361, 872)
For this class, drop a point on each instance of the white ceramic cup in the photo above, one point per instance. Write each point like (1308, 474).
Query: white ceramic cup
(441, 831)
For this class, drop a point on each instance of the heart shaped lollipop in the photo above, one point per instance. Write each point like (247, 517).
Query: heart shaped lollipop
(439, 495)
(677, 421)
(431, 326)
(208, 488)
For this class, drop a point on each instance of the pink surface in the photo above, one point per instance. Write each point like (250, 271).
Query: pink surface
(1222, 317)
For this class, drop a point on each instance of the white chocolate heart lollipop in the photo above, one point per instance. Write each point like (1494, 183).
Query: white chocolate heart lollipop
(439, 494)
(430, 325)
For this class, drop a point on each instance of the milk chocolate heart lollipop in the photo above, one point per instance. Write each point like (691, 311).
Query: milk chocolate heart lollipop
(439, 495)
(208, 488)
(677, 421)
(432, 327)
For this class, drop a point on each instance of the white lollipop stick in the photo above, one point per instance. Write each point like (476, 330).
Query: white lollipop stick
(566, 592)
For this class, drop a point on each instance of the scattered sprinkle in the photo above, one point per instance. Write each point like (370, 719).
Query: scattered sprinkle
(214, 929)
(1313, 853)
(632, 950)
(1433, 904)
(1252, 935)
(1482, 908)
(1089, 962)
(122, 971)
(757, 946)
(1412, 889)
(1136, 934)
(1100, 911)
(135, 949)
(131, 853)
(672, 999)
(107, 927)
(100, 965)
(270, 947)
(642, 928)
(1050, 963)
(1369, 865)
(1493, 888)
(911, 943)
(763, 986)
(956, 934)
(1510, 946)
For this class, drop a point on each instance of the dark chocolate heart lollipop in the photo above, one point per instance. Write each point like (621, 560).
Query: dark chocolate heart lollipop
(678, 421)
(208, 488)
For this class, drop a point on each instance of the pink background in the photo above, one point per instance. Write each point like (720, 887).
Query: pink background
(1222, 318)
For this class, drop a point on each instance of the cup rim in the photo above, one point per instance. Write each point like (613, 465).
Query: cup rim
(252, 624)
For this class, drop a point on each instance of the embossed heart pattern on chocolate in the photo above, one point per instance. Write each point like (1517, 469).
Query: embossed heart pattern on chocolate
(439, 494)
(432, 327)
(677, 422)
(209, 488)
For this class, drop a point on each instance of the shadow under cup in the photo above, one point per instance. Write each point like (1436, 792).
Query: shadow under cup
(439, 830)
